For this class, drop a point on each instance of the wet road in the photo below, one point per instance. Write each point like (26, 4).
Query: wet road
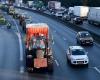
(10, 62)
(63, 37)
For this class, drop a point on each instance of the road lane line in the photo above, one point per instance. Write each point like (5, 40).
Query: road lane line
(57, 62)
(21, 48)
(97, 69)
(21, 69)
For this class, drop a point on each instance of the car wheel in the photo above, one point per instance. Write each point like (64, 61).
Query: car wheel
(68, 61)
(50, 69)
(77, 41)
(86, 65)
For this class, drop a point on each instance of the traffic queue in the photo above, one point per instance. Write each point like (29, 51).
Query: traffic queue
(83, 38)
(38, 44)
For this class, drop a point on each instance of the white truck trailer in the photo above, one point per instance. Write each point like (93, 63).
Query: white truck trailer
(94, 16)
(54, 4)
(30, 3)
(81, 11)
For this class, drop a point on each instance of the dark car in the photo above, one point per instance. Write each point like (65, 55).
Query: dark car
(84, 37)
(77, 20)
(66, 17)
(22, 18)
(25, 22)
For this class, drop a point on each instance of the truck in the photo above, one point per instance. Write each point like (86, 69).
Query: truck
(54, 4)
(81, 11)
(30, 4)
(11, 10)
(38, 48)
(94, 16)
(70, 10)
(2, 20)
(39, 5)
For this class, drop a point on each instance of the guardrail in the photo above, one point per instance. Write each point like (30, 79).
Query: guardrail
(68, 24)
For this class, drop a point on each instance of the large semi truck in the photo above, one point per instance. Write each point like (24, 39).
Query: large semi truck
(94, 16)
(38, 48)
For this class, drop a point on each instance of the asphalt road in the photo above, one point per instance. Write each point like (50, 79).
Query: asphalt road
(10, 62)
(64, 37)
(85, 25)
(92, 28)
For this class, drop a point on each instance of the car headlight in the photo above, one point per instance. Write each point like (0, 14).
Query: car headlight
(74, 61)
(86, 59)
(81, 40)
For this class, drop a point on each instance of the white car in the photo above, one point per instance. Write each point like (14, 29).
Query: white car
(58, 14)
(77, 55)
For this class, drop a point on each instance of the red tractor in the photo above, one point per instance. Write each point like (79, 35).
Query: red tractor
(38, 48)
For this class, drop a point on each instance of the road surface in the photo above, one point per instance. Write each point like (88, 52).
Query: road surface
(64, 37)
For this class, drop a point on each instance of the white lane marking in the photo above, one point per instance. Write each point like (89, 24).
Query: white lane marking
(97, 69)
(57, 62)
(21, 48)
(53, 42)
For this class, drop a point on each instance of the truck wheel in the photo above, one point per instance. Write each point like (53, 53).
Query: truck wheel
(50, 68)
(50, 65)
(68, 60)
(89, 22)
(29, 70)
(77, 41)
(26, 51)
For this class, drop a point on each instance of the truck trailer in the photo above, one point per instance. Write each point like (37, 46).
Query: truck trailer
(38, 48)
(81, 11)
(54, 4)
(94, 16)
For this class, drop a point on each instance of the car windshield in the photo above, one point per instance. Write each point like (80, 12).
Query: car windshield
(78, 52)
(85, 35)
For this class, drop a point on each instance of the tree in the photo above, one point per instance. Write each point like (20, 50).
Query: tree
(68, 3)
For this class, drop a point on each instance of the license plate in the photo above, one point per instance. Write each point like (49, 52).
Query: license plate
(80, 62)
